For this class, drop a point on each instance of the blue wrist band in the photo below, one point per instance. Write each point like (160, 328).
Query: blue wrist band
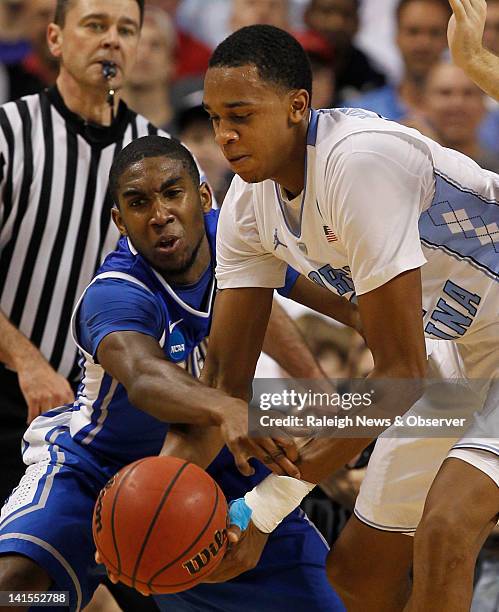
(240, 513)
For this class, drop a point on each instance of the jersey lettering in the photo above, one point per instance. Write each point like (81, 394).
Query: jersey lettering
(449, 316)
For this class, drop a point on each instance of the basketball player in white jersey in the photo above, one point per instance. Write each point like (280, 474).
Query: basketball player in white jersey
(366, 208)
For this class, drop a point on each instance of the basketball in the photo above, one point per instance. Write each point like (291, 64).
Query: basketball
(160, 525)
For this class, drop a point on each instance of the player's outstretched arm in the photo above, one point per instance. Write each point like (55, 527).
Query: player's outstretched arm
(236, 338)
(465, 34)
(158, 386)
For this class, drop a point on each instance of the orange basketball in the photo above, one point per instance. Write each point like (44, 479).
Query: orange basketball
(160, 525)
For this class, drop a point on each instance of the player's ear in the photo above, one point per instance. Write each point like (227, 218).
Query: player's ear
(206, 197)
(299, 102)
(54, 39)
(118, 220)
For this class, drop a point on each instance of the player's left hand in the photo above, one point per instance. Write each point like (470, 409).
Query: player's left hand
(278, 454)
(243, 553)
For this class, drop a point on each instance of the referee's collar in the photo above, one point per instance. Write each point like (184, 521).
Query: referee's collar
(94, 134)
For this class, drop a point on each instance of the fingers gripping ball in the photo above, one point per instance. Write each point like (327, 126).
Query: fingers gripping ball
(160, 525)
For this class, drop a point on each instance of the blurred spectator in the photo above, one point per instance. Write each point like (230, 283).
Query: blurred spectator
(421, 39)
(249, 12)
(455, 106)
(333, 360)
(338, 21)
(39, 68)
(191, 55)
(489, 130)
(320, 54)
(194, 130)
(376, 36)
(147, 89)
(213, 20)
(491, 31)
(14, 46)
(360, 359)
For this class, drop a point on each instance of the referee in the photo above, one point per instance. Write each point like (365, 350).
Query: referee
(56, 149)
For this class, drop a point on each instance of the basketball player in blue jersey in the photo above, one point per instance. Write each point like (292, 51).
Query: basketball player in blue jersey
(147, 311)
(367, 208)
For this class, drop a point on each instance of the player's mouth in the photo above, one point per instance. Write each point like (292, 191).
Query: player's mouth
(168, 245)
(235, 162)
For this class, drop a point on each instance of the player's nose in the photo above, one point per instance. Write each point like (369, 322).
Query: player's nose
(162, 214)
(225, 135)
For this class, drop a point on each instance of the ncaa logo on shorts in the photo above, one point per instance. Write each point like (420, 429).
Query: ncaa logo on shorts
(178, 349)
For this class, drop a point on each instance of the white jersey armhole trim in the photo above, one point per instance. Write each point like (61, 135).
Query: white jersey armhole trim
(117, 275)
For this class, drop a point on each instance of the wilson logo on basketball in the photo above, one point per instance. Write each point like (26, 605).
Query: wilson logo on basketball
(203, 557)
(98, 505)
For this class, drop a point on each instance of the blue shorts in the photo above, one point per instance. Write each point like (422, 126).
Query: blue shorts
(48, 518)
(290, 577)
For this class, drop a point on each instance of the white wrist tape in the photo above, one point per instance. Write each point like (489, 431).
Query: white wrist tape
(274, 498)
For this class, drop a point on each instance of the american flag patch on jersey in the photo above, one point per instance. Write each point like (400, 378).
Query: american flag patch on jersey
(330, 235)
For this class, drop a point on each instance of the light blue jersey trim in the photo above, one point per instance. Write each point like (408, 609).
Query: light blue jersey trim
(311, 140)
(464, 225)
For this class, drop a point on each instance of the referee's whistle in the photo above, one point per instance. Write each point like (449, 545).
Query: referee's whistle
(108, 70)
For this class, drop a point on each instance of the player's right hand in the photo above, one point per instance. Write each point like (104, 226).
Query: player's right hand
(278, 455)
(42, 387)
(243, 553)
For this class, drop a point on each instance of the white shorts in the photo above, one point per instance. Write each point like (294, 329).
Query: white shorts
(401, 470)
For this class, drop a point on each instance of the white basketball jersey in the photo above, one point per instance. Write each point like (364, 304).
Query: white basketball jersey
(379, 199)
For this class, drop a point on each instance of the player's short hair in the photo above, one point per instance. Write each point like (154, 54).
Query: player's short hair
(444, 4)
(62, 7)
(150, 146)
(278, 56)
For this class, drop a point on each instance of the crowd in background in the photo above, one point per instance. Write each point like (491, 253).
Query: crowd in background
(387, 56)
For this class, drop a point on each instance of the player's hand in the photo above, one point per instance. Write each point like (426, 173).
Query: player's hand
(42, 387)
(243, 553)
(279, 454)
(465, 30)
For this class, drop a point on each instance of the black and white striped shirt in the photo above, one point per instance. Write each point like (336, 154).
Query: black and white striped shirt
(55, 220)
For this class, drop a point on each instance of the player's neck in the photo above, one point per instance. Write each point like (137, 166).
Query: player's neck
(89, 103)
(291, 177)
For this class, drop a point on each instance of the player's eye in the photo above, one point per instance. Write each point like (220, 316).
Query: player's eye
(172, 193)
(240, 118)
(136, 203)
